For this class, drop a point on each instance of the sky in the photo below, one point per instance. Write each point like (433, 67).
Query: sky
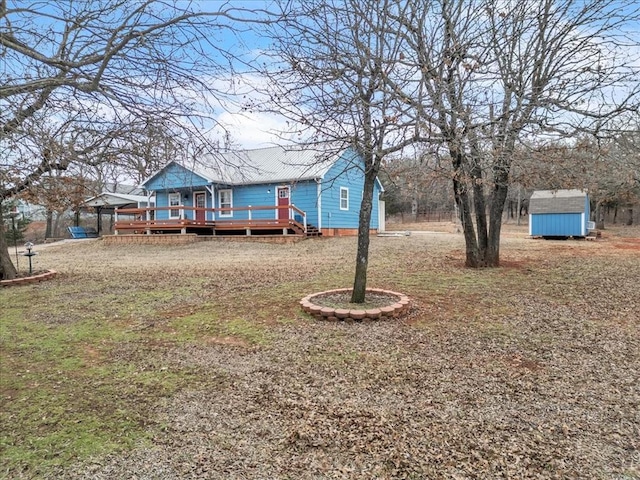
(253, 129)
(247, 129)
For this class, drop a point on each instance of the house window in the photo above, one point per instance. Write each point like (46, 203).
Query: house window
(344, 198)
(225, 201)
(174, 201)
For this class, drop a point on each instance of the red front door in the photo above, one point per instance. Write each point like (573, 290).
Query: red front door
(283, 199)
(200, 201)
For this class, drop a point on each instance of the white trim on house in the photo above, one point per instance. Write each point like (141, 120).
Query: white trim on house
(212, 194)
(228, 204)
(345, 198)
(319, 182)
(171, 196)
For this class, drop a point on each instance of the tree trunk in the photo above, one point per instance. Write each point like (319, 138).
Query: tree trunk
(519, 204)
(599, 216)
(362, 256)
(56, 226)
(48, 233)
(7, 269)
(629, 216)
(464, 208)
(483, 248)
(498, 199)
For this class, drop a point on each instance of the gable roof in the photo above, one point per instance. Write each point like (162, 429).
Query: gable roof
(261, 165)
(558, 201)
(119, 188)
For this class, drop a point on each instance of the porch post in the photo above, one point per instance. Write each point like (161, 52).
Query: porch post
(148, 213)
(319, 201)
(115, 212)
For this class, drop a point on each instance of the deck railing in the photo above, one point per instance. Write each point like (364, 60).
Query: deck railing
(145, 219)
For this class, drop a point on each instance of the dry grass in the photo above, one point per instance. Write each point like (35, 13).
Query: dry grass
(526, 371)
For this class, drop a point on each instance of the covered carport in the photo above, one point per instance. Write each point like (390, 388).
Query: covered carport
(107, 202)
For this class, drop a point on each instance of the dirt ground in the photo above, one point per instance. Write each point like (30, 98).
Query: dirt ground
(531, 370)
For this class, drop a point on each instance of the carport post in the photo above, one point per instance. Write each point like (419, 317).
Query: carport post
(99, 224)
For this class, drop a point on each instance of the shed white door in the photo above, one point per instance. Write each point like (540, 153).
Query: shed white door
(381, 216)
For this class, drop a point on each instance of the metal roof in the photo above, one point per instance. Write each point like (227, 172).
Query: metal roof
(263, 165)
(559, 193)
(114, 200)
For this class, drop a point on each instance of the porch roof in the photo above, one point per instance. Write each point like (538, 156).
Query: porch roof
(110, 199)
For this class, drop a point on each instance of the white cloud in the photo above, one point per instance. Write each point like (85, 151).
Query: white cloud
(252, 129)
(248, 115)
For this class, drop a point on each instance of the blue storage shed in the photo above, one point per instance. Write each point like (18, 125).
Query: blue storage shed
(559, 213)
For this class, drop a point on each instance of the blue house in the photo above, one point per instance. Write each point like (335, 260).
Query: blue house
(559, 213)
(263, 191)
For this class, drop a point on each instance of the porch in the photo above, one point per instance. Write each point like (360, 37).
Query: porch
(250, 220)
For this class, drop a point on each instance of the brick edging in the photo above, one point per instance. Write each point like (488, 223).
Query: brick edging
(393, 310)
(48, 275)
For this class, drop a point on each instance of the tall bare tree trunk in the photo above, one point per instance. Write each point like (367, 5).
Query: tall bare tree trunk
(362, 256)
(48, 233)
(599, 216)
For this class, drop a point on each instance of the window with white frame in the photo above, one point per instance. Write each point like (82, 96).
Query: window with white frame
(344, 198)
(225, 201)
(174, 201)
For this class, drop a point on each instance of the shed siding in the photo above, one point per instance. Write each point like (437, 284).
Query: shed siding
(557, 224)
(557, 205)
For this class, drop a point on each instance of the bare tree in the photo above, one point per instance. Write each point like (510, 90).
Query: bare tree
(331, 60)
(492, 73)
(98, 63)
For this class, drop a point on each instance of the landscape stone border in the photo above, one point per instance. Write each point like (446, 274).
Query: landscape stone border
(393, 310)
(48, 275)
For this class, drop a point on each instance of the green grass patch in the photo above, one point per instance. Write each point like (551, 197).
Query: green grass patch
(202, 325)
(63, 395)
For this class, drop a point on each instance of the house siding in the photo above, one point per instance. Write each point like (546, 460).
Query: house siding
(176, 179)
(347, 172)
(319, 199)
(301, 194)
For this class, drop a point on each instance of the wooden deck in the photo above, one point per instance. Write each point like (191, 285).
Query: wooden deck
(200, 221)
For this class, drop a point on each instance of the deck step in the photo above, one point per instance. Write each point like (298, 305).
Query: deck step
(312, 231)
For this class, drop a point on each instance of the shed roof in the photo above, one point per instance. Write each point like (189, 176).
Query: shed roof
(558, 201)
